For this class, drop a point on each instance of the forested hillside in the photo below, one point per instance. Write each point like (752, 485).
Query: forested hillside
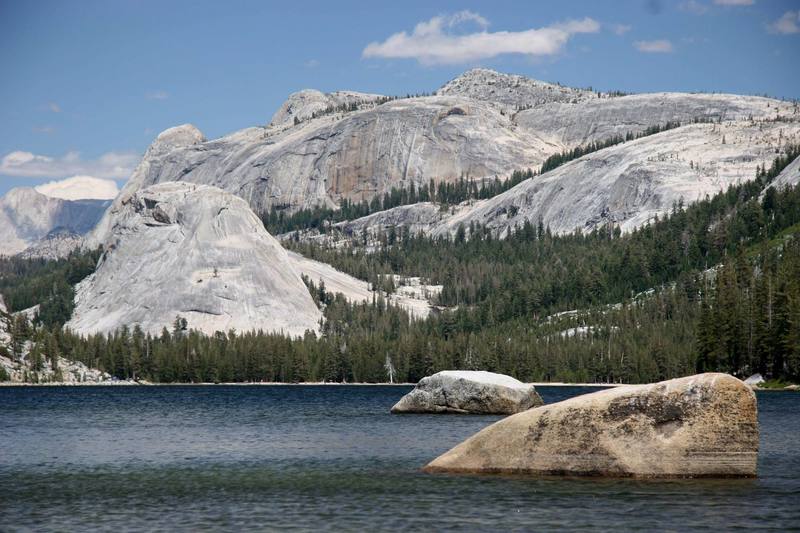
(714, 286)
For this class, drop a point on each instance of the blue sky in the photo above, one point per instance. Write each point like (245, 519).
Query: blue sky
(87, 85)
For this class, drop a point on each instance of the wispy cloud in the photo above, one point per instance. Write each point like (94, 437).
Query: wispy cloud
(734, 2)
(694, 7)
(621, 29)
(311, 63)
(46, 129)
(660, 46)
(435, 41)
(54, 107)
(789, 23)
(111, 165)
(157, 95)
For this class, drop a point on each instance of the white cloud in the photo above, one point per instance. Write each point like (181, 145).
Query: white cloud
(54, 107)
(787, 24)
(311, 63)
(661, 46)
(80, 188)
(111, 165)
(734, 2)
(432, 42)
(467, 16)
(621, 29)
(157, 95)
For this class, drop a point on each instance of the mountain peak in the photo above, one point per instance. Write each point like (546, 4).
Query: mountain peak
(309, 103)
(222, 268)
(510, 90)
(178, 136)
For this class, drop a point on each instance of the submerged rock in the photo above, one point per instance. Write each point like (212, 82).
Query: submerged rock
(698, 426)
(468, 392)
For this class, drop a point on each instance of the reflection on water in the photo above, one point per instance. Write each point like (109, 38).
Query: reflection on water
(220, 457)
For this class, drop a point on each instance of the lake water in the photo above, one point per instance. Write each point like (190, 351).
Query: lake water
(329, 458)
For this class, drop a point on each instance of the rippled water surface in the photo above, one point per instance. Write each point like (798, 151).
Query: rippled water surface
(329, 458)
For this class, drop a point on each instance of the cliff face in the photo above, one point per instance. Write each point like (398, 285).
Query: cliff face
(629, 184)
(194, 251)
(625, 185)
(322, 148)
(355, 155)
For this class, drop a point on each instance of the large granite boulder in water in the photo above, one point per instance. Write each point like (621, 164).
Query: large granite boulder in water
(698, 426)
(468, 392)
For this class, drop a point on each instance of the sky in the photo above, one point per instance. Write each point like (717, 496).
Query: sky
(86, 86)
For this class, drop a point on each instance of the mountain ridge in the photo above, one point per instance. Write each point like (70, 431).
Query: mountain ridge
(464, 130)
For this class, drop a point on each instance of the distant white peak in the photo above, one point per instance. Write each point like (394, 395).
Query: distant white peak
(19, 195)
(25, 203)
(80, 188)
(481, 376)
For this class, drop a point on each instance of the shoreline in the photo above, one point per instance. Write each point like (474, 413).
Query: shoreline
(275, 384)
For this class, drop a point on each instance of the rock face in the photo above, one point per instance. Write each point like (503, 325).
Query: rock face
(631, 183)
(468, 392)
(698, 426)
(353, 155)
(26, 216)
(625, 185)
(322, 148)
(4, 322)
(194, 251)
(789, 176)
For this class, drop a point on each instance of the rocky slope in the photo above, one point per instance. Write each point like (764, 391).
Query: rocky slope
(626, 185)
(197, 252)
(57, 244)
(64, 372)
(481, 124)
(411, 294)
(353, 155)
(25, 369)
(631, 183)
(26, 216)
(790, 176)
(511, 90)
(308, 103)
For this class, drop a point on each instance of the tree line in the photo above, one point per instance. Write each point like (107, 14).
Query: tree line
(711, 286)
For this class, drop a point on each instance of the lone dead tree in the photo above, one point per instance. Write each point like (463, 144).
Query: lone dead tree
(389, 368)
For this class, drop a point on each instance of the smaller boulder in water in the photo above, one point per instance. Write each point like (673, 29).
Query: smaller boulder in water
(469, 392)
(755, 380)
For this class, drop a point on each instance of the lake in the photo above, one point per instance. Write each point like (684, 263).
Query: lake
(329, 458)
